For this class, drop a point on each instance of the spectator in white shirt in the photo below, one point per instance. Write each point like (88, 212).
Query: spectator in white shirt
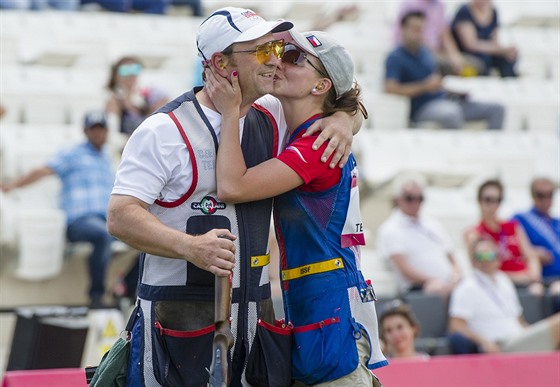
(486, 315)
(417, 247)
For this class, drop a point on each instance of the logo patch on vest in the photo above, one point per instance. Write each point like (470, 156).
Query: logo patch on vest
(208, 205)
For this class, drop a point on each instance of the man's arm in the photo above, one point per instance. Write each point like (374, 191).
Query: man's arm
(129, 220)
(408, 271)
(413, 89)
(27, 179)
(336, 130)
(456, 269)
(459, 325)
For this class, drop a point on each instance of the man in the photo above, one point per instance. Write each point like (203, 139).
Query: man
(543, 229)
(164, 203)
(486, 315)
(417, 247)
(87, 179)
(410, 71)
(436, 35)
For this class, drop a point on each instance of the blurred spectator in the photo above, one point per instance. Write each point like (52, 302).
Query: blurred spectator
(64, 5)
(324, 20)
(87, 180)
(146, 6)
(475, 29)
(129, 104)
(486, 315)
(437, 37)
(543, 231)
(2, 111)
(195, 5)
(398, 329)
(410, 71)
(517, 257)
(417, 247)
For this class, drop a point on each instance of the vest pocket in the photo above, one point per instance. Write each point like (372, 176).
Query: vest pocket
(269, 363)
(180, 358)
(323, 351)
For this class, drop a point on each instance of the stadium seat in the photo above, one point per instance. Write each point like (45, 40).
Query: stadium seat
(431, 312)
(40, 243)
(532, 305)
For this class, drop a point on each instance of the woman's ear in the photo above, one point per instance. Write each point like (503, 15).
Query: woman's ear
(322, 86)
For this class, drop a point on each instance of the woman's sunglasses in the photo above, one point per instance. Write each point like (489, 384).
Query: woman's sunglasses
(127, 70)
(263, 51)
(296, 56)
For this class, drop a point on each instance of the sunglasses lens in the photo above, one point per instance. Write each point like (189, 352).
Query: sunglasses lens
(410, 198)
(293, 55)
(264, 51)
(126, 70)
(486, 256)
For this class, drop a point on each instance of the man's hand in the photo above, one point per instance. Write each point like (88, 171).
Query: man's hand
(337, 130)
(213, 251)
(433, 83)
(490, 347)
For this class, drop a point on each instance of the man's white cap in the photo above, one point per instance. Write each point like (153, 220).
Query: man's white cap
(233, 25)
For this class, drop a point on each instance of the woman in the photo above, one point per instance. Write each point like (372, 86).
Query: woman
(475, 29)
(316, 214)
(398, 328)
(127, 102)
(518, 258)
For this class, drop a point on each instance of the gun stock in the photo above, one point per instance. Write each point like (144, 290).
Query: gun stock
(223, 338)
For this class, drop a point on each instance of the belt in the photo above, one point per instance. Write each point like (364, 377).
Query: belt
(312, 268)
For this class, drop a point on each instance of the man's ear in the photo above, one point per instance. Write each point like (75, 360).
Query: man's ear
(220, 61)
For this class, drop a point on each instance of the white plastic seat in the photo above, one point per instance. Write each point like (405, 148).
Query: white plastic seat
(40, 242)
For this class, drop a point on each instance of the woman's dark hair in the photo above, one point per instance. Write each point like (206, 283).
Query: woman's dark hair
(113, 77)
(489, 183)
(350, 102)
(398, 309)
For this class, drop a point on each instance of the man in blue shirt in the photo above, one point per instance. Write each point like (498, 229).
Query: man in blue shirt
(542, 228)
(411, 71)
(87, 178)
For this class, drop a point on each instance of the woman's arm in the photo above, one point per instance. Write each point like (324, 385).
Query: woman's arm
(237, 183)
(466, 32)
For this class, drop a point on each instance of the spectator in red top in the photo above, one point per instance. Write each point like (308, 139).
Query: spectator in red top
(518, 257)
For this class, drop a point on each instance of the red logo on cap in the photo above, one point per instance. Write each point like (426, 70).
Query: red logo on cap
(249, 14)
(314, 41)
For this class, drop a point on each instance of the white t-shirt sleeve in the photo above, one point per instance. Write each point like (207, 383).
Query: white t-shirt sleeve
(274, 107)
(155, 162)
(389, 242)
(461, 301)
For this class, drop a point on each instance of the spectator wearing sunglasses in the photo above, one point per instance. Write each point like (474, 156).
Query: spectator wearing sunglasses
(411, 71)
(543, 231)
(165, 203)
(128, 103)
(316, 212)
(416, 246)
(486, 314)
(517, 257)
